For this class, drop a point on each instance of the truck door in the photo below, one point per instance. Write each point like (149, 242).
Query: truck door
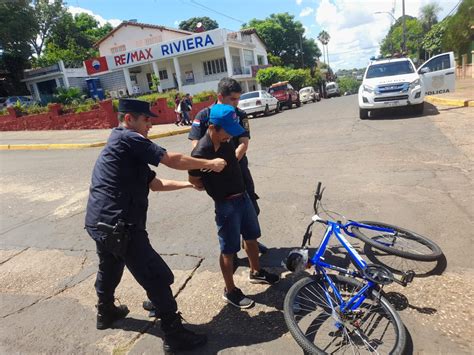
(438, 74)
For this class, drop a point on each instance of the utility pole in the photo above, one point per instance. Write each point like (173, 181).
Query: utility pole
(404, 29)
(301, 51)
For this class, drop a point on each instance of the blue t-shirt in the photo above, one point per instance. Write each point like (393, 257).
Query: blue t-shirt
(119, 187)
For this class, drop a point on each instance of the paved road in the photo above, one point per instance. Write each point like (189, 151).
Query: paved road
(411, 171)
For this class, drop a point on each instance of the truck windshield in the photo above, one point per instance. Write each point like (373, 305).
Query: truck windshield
(390, 69)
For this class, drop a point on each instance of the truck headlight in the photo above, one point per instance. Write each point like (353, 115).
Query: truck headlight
(368, 88)
(415, 83)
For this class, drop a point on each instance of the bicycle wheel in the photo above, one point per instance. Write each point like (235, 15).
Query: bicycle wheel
(374, 327)
(403, 242)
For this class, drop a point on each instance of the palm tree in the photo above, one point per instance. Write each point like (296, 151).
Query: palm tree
(429, 15)
(324, 38)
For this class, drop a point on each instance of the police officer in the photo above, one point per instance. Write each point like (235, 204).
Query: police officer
(118, 197)
(228, 92)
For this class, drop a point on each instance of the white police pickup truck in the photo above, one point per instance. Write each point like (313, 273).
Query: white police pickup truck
(396, 82)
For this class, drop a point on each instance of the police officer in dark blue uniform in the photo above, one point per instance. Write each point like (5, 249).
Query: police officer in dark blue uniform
(116, 220)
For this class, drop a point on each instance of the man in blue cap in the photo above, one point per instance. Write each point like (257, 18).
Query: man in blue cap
(116, 220)
(235, 212)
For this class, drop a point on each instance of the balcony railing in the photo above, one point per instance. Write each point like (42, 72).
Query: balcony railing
(242, 71)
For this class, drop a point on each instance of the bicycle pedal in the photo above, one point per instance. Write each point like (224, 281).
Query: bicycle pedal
(408, 277)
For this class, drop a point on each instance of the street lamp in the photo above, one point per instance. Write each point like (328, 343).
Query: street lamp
(404, 30)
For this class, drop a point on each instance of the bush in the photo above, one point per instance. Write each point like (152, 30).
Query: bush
(35, 109)
(68, 96)
(4, 112)
(78, 107)
(205, 96)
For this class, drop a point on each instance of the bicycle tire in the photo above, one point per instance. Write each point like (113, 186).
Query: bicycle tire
(310, 347)
(431, 251)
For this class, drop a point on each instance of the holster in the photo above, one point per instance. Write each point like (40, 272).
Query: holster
(117, 237)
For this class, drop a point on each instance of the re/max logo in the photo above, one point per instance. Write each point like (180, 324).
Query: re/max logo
(132, 57)
(186, 45)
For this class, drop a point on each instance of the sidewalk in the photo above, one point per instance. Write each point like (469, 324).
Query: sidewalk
(73, 139)
(463, 96)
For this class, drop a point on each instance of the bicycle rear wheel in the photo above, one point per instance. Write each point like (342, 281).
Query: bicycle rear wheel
(402, 242)
(374, 327)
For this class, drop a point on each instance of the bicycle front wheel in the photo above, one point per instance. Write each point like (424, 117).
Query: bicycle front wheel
(401, 242)
(374, 327)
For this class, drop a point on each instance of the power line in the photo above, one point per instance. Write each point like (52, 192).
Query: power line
(215, 11)
(454, 8)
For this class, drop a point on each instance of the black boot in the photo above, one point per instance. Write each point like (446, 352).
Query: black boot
(150, 307)
(107, 313)
(177, 337)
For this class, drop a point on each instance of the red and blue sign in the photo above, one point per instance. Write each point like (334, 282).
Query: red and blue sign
(96, 65)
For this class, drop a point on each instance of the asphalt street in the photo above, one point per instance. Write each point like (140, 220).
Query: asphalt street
(415, 172)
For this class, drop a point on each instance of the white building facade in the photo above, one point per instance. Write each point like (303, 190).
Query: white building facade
(185, 61)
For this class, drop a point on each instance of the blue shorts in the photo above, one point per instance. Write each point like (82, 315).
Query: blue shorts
(236, 217)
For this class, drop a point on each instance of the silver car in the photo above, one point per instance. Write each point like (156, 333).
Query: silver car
(309, 94)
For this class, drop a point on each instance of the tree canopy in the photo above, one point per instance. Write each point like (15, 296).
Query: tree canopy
(190, 24)
(285, 40)
(458, 28)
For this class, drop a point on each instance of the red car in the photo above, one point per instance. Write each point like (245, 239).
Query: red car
(285, 94)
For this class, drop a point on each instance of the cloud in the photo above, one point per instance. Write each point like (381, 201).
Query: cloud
(177, 22)
(102, 21)
(298, 2)
(306, 11)
(356, 32)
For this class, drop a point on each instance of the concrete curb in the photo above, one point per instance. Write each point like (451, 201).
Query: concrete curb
(449, 102)
(66, 146)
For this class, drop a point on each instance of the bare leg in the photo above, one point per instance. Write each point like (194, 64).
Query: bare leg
(251, 248)
(226, 262)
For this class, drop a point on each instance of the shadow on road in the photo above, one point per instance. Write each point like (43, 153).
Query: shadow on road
(402, 113)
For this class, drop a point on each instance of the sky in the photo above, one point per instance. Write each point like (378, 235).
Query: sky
(355, 30)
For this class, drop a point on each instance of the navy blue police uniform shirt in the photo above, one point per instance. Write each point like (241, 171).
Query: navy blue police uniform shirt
(120, 179)
(201, 122)
(226, 183)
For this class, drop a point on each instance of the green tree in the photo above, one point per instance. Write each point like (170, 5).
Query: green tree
(432, 42)
(414, 35)
(190, 24)
(271, 75)
(72, 40)
(458, 35)
(285, 39)
(299, 78)
(17, 28)
(46, 14)
(349, 84)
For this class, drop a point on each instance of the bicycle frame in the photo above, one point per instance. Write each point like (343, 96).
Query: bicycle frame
(320, 265)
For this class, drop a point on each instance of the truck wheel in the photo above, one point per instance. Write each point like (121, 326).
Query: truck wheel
(298, 103)
(363, 114)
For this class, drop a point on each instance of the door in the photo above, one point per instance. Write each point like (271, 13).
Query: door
(438, 74)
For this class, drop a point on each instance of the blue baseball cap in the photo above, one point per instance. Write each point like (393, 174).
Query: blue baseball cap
(226, 117)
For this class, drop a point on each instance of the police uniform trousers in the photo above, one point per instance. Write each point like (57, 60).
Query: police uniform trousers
(146, 266)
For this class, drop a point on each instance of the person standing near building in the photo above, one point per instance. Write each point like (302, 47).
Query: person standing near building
(177, 109)
(186, 107)
(118, 198)
(235, 213)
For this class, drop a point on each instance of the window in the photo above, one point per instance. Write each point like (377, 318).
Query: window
(118, 49)
(163, 74)
(439, 63)
(149, 80)
(390, 69)
(250, 95)
(215, 66)
(260, 59)
(248, 58)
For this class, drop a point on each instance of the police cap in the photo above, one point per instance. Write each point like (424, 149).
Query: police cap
(135, 106)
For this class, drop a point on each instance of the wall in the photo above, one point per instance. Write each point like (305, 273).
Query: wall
(136, 37)
(102, 118)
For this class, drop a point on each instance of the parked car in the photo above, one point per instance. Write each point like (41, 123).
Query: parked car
(309, 94)
(285, 94)
(12, 100)
(256, 102)
(396, 83)
(332, 89)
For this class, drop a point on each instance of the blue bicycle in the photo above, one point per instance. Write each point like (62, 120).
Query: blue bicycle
(347, 312)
